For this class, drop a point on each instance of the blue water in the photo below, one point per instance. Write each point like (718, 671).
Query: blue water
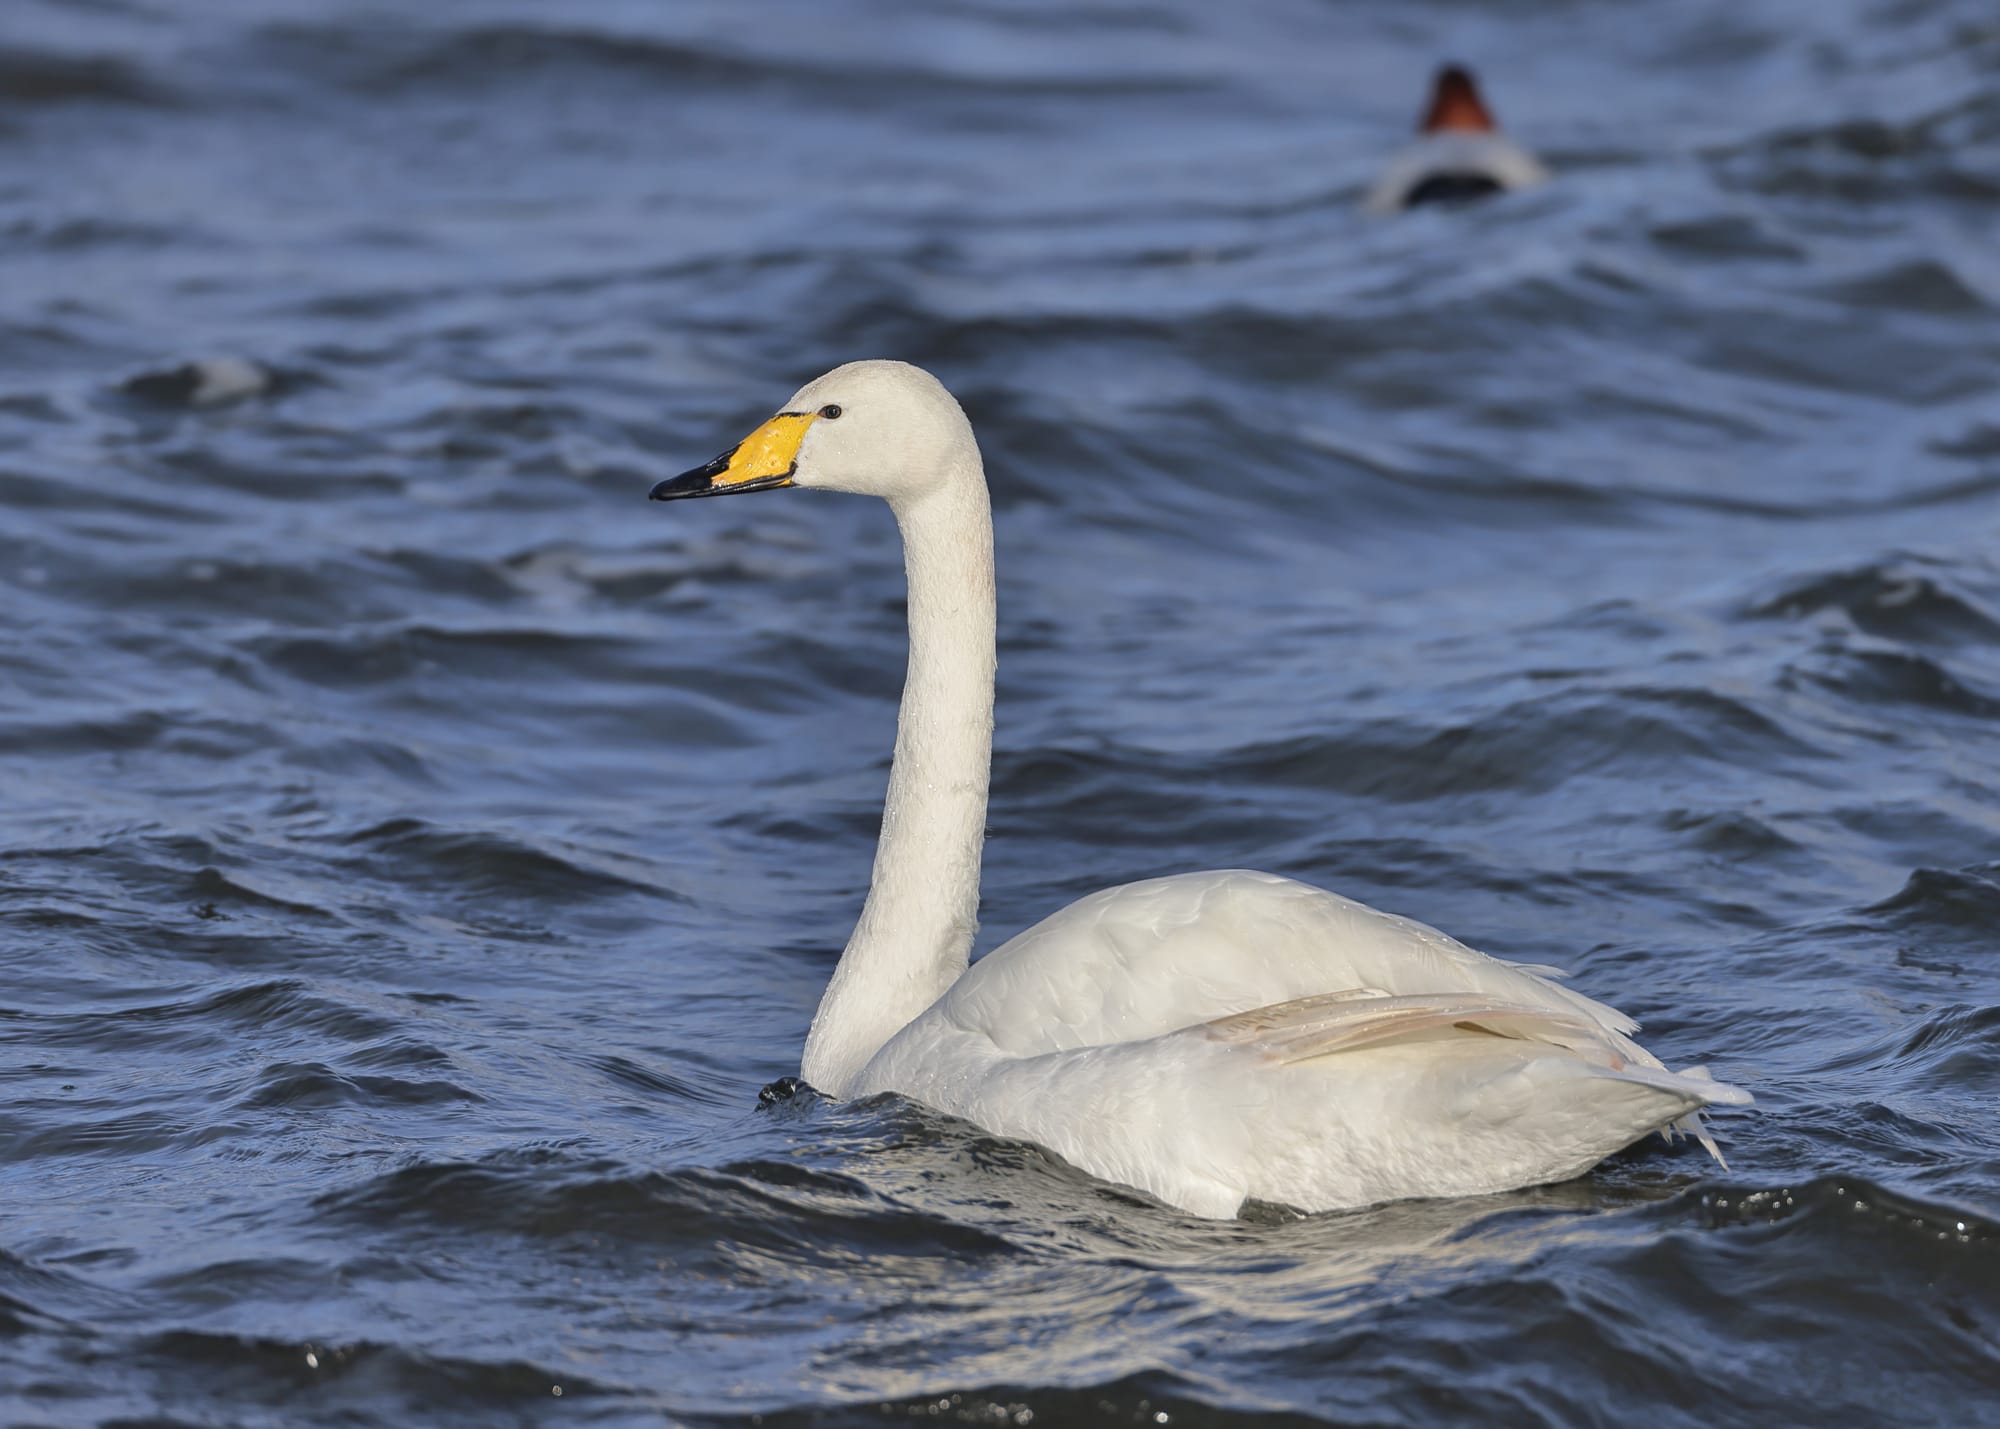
(417, 851)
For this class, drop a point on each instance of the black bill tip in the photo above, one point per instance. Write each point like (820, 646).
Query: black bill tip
(699, 482)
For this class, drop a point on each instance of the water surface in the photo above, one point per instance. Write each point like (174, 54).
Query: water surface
(417, 851)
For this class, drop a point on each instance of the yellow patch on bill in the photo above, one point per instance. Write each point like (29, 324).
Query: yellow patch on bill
(770, 451)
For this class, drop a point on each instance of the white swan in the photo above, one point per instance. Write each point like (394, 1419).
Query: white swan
(1211, 1037)
(1458, 154)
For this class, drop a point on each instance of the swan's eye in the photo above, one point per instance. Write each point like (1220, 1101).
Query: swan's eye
(830, 411)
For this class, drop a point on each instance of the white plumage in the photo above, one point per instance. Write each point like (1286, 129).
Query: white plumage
(1217, 1037)
(1436, 158)
(1211, 1037)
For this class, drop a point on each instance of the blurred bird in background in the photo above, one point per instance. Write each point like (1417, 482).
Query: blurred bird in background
(1459, 154)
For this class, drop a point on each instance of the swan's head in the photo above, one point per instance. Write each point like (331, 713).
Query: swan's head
(881, 428)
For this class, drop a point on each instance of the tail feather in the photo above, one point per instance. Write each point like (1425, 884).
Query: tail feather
(1698, 1083)
(1713, 1093)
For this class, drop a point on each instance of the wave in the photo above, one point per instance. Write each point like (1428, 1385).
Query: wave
(1910, 598)
(1157, 1397)
(415, 853)
(1640, 1307)
(208, 382)
(1895, 676)
(388, 61)
(1956, 905)
(731, 1218)
(67, 233)
(1871, 160)
(1538, 744)
(364, 1378)
(204, 1019)
(302, 1086)
(40, 78)
(406, 650)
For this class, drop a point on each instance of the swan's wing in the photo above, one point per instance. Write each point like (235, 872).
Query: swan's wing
(1335, 1099)
(1150, 958)
(1332, 1023)
(1221, 1035)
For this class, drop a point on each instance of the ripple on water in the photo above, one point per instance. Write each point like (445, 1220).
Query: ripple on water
(730, 1218)
(474, 863)
(34, 78)
(1908, 599)
(1534, 745)
(359, 1378)
(1952, 907)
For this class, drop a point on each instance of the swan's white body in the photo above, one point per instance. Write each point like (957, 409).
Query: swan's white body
(1356, 1072)
(1210, 1038)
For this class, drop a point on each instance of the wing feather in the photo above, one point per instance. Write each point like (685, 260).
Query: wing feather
(1327, 1024)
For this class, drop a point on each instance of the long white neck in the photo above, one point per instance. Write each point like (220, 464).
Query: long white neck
(915, 932)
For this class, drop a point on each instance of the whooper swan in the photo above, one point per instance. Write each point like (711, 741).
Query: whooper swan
(1210, 1037)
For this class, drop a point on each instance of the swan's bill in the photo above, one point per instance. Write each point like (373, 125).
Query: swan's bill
(766, 458)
